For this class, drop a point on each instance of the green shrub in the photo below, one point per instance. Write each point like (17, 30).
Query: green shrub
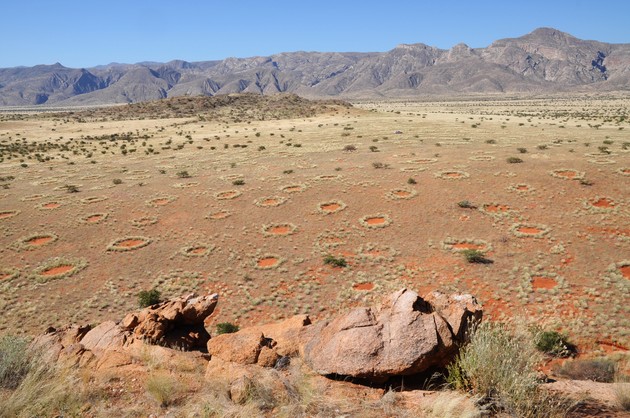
(183, 174)
(15, 361)
(475, 256)
(554, 344)
(466, 205)
(598, 370)
(117, 181)
(522, 150)
(411, 180)
(335, 261)
(514, 160)
(227, 328)
(148, 297)
(238, 182)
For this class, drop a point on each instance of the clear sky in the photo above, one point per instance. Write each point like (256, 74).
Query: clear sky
(87, 33)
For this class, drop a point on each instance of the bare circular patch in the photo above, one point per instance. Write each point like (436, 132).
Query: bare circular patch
(529, 230)
(401, 194)
(567, 174)
(197, 250)
(51, 205)
(186, 185)
(624, 171)
(129, 243)
(6, 214)
(94, 218)
(278, 230)
(58, 268)
(328, 177)
(227, 195)
(93, 199)
(520, 188)
(423, 161)
(330, 207)
(496, 209)
(271, 201)
(144, 221)
(375, 221)
(452, 175)
(221, 214)
(293, 188)
(32, 197)
(365, 286)
(461, 245)
(268, 262)
(34, 241)
(543, 282)
(161, 201)
(8, 274)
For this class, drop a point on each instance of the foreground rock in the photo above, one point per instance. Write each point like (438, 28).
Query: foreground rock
(406, 336)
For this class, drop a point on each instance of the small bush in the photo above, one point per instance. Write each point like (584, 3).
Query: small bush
(163, 389)
(349, 148)
(15, 361)
(117, 181)
(380, 165)
(238, 182)
(331, 260)
(542, 147)
(554, 344)
(71, 188)
(475, 256)
(148, 297)
(514, 160)
(522, 150)
(183, 174)
(411, 180)
(598, 370)
(227, 328)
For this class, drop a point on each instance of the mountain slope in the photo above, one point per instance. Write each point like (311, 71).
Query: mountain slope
(546, 60)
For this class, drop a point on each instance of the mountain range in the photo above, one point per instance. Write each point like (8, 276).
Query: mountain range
(543, 61)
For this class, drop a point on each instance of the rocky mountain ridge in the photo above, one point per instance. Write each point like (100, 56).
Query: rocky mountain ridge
(543, 61)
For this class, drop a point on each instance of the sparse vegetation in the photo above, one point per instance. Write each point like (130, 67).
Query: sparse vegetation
(514, 160)
(597, 369)
(15, 361)
(226, 328)
(149, 297)
(331, 260)
(554, 344)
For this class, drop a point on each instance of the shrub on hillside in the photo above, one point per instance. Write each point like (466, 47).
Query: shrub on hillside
(148, 297)
(227, 328)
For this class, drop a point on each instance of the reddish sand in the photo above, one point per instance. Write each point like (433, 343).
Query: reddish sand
(4, 276)
(363, 286)
(51, 205)
(541, 282)
(626, 171)
(625, 271)
(267, 262)
(227, 195)
(128, 243)
(496, 208)
(7, 214)
(330, 207)
(328, 177)
(94, 218)
(197, 250)
(220, 215)
(58, 270)
(604, 202)
(160, 202)
(374, 253)
(522, 188)
(569, 174)
(293, 189)
(280, 230)
(452, 175)
(402, 193)
(39, 240)
(468, 246)
(269, 202)
(332, 240)
(529, 230)
(377, 220)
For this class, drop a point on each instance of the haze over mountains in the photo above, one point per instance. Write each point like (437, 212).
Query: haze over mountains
(546, 60)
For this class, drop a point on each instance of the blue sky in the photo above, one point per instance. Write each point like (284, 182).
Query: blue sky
(88, 33)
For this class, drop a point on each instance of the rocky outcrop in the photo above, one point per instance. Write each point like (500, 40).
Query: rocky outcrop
(175, 323)
(406, 336)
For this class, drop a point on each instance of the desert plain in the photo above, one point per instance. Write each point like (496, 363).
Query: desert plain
(248, 197)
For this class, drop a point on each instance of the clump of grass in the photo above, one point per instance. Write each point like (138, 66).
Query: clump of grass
(597, 369)
(71, 188)
(183, 174)
(163, 389)
(117, 181)
(514, 160)
(411, 180)
(238, 182)
(148, 297)
(499, 365)
(349, 148)
(475, 257)
(379, 165)
(227, 328)
(15, 361)
(522, 150)
(331, 260)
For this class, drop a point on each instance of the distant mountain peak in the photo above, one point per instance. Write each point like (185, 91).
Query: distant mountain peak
(546, 59)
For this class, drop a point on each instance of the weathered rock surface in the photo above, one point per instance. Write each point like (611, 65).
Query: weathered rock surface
(406, 336)
(176, 323)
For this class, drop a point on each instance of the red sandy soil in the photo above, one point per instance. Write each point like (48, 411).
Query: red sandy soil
(280, 230)
(269, 202)
(4, 276)
(452, 175)
(522, 188)
(7, 214)
(569, 174)
(58, 270)
(129, 243)
(39, 240)
(94, 218)
(402, 193)
(330, 207)
(51, 205)
(604, 202)
(160, 202)
(220, 215)
(542, 282)
(529, 230)
(625, 271)
(497, 208)
(267, 262)
(292, 189)
(377, 220)
(227, 195)
(626, 171)
(363, 286)
(197, 250)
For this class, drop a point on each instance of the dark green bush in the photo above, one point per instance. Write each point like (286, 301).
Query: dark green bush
(227, 328)
(466, 205)
(514, 160)
(335, 261)
(475, 256)
(554, 344)
(148, 297)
